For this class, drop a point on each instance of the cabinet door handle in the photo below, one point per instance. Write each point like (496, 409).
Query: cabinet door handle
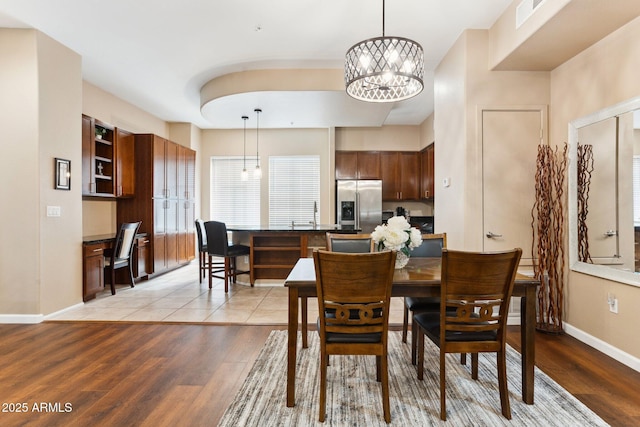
(97, 250)
(493, 235)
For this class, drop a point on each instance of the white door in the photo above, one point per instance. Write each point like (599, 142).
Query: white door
(510, 141)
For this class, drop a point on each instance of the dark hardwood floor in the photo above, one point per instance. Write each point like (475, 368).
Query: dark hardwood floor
(127, 374)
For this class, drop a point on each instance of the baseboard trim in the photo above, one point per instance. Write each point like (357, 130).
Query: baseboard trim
(33, 318)
(604, 347)
(21, 318)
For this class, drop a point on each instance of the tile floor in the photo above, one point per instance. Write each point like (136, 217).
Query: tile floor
(178, 297)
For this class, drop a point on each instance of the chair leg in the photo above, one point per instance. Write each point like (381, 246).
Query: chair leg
(463, 358)
(405, 323)
(304, 311)
(378, 368)
(443, 403)
(502, 384)
(474, 366)
(210, 271)
(385, 388)
(131, 279)
(420, 350)
(200, 254)
(113, 280)
(414, 341)
(227, 268)
(323, 386)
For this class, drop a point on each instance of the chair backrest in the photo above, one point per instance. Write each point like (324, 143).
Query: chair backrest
(202, 235)
(431, 247)
(350, 243)
(357, 287)
(217, 239)
(123, 248)
(479, 286)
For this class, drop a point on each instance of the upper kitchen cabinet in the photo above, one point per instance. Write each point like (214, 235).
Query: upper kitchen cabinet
(400, 172)
(125, 163)
(107, 160)
(427, 162)
(358, 165)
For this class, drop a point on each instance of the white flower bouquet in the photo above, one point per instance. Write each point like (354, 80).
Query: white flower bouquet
(397, 235)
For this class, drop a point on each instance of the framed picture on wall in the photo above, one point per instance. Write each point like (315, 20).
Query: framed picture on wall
(63, 174)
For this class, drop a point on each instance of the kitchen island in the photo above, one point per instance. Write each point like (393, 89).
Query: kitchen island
(276, 249)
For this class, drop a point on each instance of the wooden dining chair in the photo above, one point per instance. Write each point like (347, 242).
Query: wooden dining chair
(218, 246)
(121, 255)
(350, 243)
(337, 242)
(354, 292)
(479, 286)
(431, 247)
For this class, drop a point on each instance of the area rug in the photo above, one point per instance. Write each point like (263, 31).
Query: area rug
(354, 397)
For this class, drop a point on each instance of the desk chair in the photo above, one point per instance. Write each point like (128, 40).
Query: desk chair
(431, 247)
(479, 286)
(218, 246)
(122, 253)
(203, 259)
(359, 323)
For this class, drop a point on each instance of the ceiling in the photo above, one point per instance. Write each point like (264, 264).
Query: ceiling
(159, 54)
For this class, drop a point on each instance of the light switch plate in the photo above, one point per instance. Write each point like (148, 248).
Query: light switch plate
(53, 211)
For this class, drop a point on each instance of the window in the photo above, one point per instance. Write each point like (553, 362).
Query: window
(294, 189)
(233, 201)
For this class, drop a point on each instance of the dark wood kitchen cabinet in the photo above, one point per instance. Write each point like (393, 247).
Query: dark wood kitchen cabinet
(93, 268)
(164, 201)
(358, 165)
(108, 161)
(427, 179)
(400, 171)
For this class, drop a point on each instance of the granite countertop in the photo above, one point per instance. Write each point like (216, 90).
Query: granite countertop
(318, 228)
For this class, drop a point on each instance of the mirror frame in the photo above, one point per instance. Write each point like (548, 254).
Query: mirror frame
(602, 271)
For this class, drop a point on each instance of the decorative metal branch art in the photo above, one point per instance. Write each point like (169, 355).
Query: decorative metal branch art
(547, 224)
(585, 168)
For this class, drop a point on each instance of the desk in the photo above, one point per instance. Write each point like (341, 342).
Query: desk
(420, 278)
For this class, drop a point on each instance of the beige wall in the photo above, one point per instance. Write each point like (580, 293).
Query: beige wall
(385, 138)
(273, 142)
(40, 256)
(603, 75)
(463, 86)
(99, 216)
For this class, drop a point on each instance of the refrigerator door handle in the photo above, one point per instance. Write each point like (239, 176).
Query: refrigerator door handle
(357, 215)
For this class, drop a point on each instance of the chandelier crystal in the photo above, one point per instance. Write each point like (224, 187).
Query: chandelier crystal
(384, 69)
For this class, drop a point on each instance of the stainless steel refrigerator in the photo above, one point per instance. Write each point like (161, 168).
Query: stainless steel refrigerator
(359, 204)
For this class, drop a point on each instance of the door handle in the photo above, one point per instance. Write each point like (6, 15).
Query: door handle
(493, 235)
(610, 233)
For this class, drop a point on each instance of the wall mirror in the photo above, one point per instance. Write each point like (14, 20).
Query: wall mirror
(604, 152)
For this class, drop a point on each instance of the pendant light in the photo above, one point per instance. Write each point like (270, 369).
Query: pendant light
(257, 173)
(384, 69)
(244, 175)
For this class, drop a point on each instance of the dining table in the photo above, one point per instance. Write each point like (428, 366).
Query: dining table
(419, 278)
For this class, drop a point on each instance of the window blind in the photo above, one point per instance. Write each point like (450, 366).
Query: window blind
(294, 186)
(233, 201)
